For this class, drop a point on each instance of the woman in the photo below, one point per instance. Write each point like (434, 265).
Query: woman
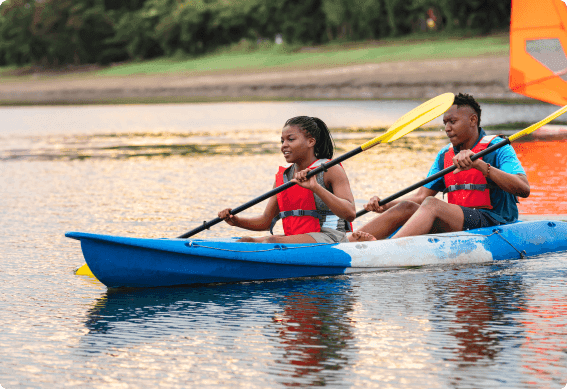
(325, 199)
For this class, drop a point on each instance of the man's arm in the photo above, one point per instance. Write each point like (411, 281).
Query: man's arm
(516, 184)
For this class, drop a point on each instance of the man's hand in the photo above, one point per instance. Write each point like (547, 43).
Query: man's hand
(463, 162)
(374, 206)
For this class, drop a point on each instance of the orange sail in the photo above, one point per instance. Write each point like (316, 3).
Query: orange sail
(538, 40)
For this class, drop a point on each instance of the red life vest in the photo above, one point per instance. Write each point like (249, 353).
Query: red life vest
(298, 209)
(468, 188)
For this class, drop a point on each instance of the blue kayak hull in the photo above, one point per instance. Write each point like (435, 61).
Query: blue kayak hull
(135, 262)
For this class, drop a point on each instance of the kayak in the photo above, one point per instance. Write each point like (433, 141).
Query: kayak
(140, 262)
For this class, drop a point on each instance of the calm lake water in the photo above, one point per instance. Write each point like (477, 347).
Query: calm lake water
(158, 171)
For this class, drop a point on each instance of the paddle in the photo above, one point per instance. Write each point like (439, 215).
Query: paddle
(478, 155)
(84, 271)
(407, 123)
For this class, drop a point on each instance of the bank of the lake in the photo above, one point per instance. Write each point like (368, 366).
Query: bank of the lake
(398, 70)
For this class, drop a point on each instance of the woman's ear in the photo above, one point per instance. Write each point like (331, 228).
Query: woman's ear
(311, 141)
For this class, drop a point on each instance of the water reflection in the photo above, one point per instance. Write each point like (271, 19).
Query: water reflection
(481, 315)
(481, 311)
(315, 331)
(544, 159)
(170, 310)
(306, 322)
(472, 330)
(543, 357)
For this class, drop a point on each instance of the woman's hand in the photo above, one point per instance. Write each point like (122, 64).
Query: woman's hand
(300, 178)
(229, 218)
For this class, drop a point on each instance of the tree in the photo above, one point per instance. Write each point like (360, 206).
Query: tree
(303, 21)
(16, 40)
(353, 20)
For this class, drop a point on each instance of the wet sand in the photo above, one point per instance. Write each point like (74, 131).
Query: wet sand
(484, 77)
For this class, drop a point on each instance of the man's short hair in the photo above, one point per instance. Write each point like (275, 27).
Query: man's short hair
(463, 99)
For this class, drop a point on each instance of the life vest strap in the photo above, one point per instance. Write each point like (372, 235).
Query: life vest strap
(480, 187)
(297, 212)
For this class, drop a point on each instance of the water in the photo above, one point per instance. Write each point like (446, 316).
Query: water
(492, 325)
(214, 117)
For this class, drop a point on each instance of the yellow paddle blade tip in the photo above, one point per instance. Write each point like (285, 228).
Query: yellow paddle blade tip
(84, 271)
(537, 125)
(415, 118)
(421, 115)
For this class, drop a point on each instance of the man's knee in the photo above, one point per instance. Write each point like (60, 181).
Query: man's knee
(433, 204)
(407, 207)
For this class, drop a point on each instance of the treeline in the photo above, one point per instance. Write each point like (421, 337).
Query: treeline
(60, 32)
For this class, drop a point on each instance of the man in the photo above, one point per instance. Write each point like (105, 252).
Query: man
(481, 193)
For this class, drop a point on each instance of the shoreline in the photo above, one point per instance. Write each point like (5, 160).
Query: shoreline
(485, 77)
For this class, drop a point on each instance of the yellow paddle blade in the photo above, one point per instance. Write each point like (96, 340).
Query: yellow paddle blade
(534, 127)
(84, 271)
(414, 119)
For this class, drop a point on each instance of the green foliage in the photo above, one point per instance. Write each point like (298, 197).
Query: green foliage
(135, 31)
(16, 41)
(348, 20)
(62, 32)
(53, 32)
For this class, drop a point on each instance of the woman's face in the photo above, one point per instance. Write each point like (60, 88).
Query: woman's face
(295, 144)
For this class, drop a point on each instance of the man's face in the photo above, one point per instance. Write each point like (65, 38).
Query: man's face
(461, 125)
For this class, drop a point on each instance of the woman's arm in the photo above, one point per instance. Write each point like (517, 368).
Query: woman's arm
(254, 223)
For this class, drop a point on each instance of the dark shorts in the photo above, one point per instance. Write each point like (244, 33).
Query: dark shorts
(475, 218)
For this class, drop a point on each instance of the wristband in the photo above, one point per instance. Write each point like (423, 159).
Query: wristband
(487, 171)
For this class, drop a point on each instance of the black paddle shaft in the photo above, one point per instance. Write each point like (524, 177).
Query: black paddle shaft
(206, 225)
(436, 176)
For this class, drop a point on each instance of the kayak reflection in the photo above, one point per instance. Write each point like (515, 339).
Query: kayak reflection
(308, 318)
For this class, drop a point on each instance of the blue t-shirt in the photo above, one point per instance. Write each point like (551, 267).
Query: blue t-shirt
(504, 205)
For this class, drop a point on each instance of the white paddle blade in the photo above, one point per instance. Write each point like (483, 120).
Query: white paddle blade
(537, 125)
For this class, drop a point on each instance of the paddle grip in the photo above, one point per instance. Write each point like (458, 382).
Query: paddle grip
(435, 176)
(267, 195)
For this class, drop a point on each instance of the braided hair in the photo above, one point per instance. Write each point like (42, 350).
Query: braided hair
(463, 99)
(317, 129)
